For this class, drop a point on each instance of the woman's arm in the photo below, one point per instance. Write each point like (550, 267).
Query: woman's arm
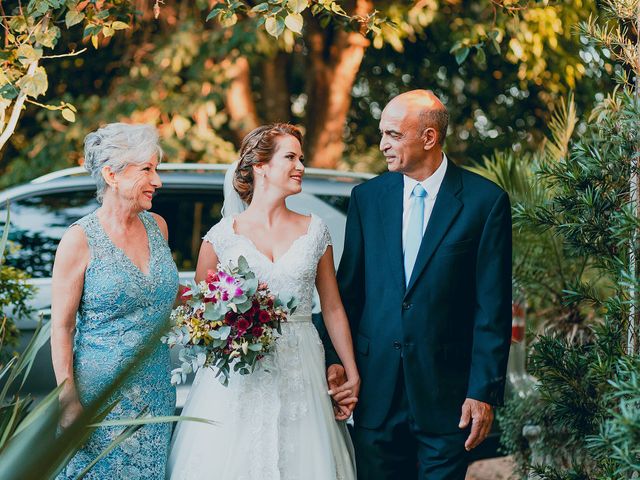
(72, 258)
(335, 320)
(207, 260)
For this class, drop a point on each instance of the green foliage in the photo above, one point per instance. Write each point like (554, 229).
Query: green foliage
(141, 76)
(15, 291)
(586, 401)
(31, 31)
(619, 438)
(588, 208)
(279, 16)
(543, 265)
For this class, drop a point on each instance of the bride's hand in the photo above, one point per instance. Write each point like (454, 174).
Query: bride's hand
(344, 395)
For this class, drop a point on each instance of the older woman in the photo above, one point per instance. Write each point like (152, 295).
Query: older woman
(114, 283)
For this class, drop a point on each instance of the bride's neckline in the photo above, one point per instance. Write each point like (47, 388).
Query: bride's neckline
(232, 227)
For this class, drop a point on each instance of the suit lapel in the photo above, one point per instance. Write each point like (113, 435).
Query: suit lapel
(444, 212)
(390, 205)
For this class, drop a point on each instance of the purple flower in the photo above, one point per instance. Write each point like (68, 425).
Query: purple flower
(228, 286)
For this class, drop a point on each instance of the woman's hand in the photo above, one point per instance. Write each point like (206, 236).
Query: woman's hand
(71, 410)
(344, 390)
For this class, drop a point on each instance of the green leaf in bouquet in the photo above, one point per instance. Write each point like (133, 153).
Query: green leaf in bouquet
(214, 311)
(243, 265)
(256, 347)
(250, 358)
(240, 299)
(250, 286)
(186, 336)
(224, 332)
(292, 304)
(245, 306)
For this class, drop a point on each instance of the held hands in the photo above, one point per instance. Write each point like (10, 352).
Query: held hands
(480, 415)
(343, 390)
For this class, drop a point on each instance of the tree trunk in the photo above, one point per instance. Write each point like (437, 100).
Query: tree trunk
(276, 96)
(334, 60)
(239, 101)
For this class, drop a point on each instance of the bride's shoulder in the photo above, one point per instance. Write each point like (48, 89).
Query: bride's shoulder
(318, 229)
(218, 230)
(309, 223)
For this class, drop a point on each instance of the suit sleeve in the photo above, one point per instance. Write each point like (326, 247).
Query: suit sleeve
(492, 320)
(350, 274)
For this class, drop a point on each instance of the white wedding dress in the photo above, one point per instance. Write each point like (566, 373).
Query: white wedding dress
(276, 423)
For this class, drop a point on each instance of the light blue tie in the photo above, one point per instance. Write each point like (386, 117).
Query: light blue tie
(415, 231)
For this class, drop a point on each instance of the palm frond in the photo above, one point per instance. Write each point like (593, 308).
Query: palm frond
(562, 125)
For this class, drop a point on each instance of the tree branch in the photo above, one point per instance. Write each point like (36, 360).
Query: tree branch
(15, 113)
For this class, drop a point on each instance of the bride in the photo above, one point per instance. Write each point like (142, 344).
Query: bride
(277, 422)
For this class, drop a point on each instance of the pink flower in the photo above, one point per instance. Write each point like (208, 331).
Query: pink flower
(228, 286)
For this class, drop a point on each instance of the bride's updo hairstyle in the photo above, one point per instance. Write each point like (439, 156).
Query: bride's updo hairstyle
(118, 145)
(257, 148)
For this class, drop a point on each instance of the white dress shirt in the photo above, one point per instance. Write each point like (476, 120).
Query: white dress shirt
(432, 186)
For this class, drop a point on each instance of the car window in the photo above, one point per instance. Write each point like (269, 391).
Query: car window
(339, 202)
(189, 215)
(37, 225)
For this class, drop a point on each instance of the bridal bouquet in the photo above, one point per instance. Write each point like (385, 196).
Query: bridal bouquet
(230, 320)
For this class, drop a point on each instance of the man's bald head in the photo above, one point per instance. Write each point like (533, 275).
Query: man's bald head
(428, 108)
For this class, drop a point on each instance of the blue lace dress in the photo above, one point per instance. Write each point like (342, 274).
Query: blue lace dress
(121, 308)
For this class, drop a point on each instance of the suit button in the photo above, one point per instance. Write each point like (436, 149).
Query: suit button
(397, 345)
(406, 306)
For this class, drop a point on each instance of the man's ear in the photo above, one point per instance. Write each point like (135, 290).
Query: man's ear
(429, 138)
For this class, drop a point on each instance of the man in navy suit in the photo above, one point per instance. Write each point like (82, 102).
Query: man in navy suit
(425, 279)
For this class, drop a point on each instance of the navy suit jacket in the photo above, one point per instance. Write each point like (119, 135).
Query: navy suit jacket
(450, 328)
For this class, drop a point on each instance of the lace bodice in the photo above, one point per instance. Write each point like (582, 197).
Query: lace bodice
(293, 273)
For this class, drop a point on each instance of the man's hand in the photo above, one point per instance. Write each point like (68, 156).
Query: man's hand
(480, 415)
(343, 392)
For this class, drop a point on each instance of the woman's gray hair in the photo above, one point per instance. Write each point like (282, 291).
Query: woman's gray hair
(118, 145)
